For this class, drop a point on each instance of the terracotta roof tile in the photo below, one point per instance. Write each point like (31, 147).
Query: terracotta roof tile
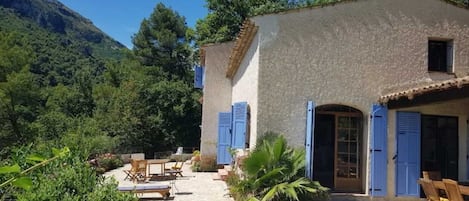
(242, 44)
(437, 86)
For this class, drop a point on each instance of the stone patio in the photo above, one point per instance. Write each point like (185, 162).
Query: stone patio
(193, 186)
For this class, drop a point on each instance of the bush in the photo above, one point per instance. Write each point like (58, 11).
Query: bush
(109, 162)
(196, 166)
(274, 171)
(71, 180)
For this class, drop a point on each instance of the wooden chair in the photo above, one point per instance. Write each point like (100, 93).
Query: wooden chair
(175, 169)
(432, 175)
(141, 169)
(131, 174)
(452, 190)
(178, 165)
(430, 191)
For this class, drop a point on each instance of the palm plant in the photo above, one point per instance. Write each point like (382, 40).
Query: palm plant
(273, 172)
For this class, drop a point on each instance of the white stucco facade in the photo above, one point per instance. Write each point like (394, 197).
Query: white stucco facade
(217, 94)
(349, 54)
(245, 86)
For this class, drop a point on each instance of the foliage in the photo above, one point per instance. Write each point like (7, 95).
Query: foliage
(65, 177)
(226, 17)
(20, 178)
(64, 83)
(161, 42)
(196, 166)
(274, 172)
(107, 191)
(168, 108)
(109, 162)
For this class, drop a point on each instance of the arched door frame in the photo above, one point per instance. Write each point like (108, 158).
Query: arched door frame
(348, 175)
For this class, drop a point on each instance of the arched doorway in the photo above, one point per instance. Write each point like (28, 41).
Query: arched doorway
(338, 143)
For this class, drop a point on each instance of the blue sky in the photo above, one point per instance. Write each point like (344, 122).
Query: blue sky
(120, 19)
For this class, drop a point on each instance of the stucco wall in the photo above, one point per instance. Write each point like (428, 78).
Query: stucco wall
(458, 108)
(245, 86)
(349, 54)
(217, 94)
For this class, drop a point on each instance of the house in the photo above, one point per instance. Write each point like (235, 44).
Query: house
(375, 91)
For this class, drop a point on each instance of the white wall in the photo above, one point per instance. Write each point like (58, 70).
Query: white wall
(245, 85)
(216, 96)
(349, 53)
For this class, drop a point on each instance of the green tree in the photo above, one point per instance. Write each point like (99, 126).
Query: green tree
(20, 104)
(161, 41)
(14, 54)
(168, 111)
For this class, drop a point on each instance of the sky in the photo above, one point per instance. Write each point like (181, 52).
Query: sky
(121, 19)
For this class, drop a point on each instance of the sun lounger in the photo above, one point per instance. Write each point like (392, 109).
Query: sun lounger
(163, 190)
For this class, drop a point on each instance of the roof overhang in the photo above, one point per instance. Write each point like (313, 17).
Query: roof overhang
(438, 91)
(242, 44)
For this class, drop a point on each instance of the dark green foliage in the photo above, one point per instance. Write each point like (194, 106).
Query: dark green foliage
(61, 85)
(71, 180)
(161, 42)
(275, 171)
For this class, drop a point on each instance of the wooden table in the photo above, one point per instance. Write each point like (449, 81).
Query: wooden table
(161, 162)
(440, 185)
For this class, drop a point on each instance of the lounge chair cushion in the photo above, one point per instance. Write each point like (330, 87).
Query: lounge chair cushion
(142, 188)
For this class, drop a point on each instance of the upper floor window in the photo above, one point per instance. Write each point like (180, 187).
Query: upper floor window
(440, 55)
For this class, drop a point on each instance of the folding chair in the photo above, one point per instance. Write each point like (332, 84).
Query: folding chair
(132, 173)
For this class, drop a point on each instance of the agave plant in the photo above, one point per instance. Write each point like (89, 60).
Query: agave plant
(273, 171)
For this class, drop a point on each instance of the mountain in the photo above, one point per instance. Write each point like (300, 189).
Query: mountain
(62, 41)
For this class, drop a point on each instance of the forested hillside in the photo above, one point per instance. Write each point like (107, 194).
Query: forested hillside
(64, 82)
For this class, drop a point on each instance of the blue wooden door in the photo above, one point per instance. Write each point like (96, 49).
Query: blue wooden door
(408, 153)
(309, 144)
(224, 138)
(240, 115)
(378, 150)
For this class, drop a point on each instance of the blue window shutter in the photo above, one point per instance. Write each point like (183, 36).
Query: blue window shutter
(239, 125)
(449, 56)
(408, 154)
(198, 77)
(224, 138)
(378, 151)
(309, 144)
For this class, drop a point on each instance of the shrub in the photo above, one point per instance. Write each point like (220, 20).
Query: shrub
(69, 180)
(196, 166)
(273, 172)
(109, 162)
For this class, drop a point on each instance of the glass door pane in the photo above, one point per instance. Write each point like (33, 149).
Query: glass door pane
(348, 157)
